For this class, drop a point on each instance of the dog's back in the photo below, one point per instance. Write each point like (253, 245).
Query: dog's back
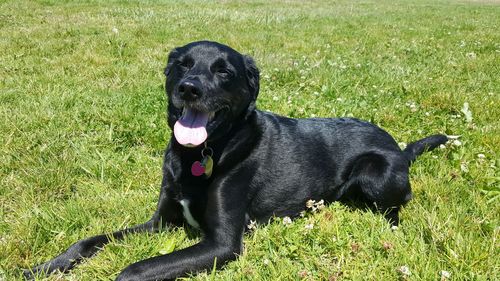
(302, 159)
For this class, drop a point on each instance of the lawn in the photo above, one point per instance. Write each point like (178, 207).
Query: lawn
(83, 129)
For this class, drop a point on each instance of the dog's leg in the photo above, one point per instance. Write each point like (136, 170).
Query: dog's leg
(223, 226)
(179, 263)
(85, 248)
(168, 212)
(392, 215)
(383, 182)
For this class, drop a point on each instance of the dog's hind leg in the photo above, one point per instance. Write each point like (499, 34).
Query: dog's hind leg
(382, 181)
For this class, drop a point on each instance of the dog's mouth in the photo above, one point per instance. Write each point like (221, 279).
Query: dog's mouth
(194, 126)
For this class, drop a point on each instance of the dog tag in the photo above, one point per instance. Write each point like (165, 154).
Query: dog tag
(208, 163)
(197, 169)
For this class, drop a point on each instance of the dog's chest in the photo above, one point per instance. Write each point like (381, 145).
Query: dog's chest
(186, 212)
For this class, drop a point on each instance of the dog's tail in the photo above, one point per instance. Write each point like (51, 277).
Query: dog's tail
(414, 149)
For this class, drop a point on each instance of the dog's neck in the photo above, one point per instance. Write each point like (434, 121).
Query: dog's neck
(226, 148)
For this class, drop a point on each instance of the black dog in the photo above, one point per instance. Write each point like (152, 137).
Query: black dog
(229, 163)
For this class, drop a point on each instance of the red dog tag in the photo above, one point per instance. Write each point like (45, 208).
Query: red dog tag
(197, 169)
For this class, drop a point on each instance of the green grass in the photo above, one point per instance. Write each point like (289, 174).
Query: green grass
(83, 129)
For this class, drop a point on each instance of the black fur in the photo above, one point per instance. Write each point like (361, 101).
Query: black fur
(265, 165)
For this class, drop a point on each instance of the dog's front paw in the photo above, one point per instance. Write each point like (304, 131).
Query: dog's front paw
(28, 274)
(37, 271)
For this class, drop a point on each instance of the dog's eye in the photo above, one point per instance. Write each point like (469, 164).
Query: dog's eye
(224, 72)
(185, 64)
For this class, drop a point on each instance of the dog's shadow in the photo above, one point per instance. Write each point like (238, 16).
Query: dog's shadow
(357, 204)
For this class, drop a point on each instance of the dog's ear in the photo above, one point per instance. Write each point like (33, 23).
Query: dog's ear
(174, 54)
(253, 76)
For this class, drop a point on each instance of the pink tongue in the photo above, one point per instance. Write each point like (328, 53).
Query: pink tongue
(190, 129)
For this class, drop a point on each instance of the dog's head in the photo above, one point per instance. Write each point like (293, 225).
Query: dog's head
(210, 87)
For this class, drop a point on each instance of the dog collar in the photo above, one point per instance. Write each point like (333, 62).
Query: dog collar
(205, 166)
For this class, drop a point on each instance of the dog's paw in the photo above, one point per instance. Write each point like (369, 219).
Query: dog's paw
(28, 274)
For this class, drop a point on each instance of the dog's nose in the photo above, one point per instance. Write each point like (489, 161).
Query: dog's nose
(189, 90)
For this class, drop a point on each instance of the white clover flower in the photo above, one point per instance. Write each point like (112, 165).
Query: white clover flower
(252, 225)
(402, 145)
(404, 270)
(266, 262)
(445, 274)
(314, 206)
(481, 156)
(412, 106)
(309, 226)
(320, 204)
(464, 167)
(310, 204)
(471, 55)
(287, 220)
(114, 30)
(394, 227)
(456, 143)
